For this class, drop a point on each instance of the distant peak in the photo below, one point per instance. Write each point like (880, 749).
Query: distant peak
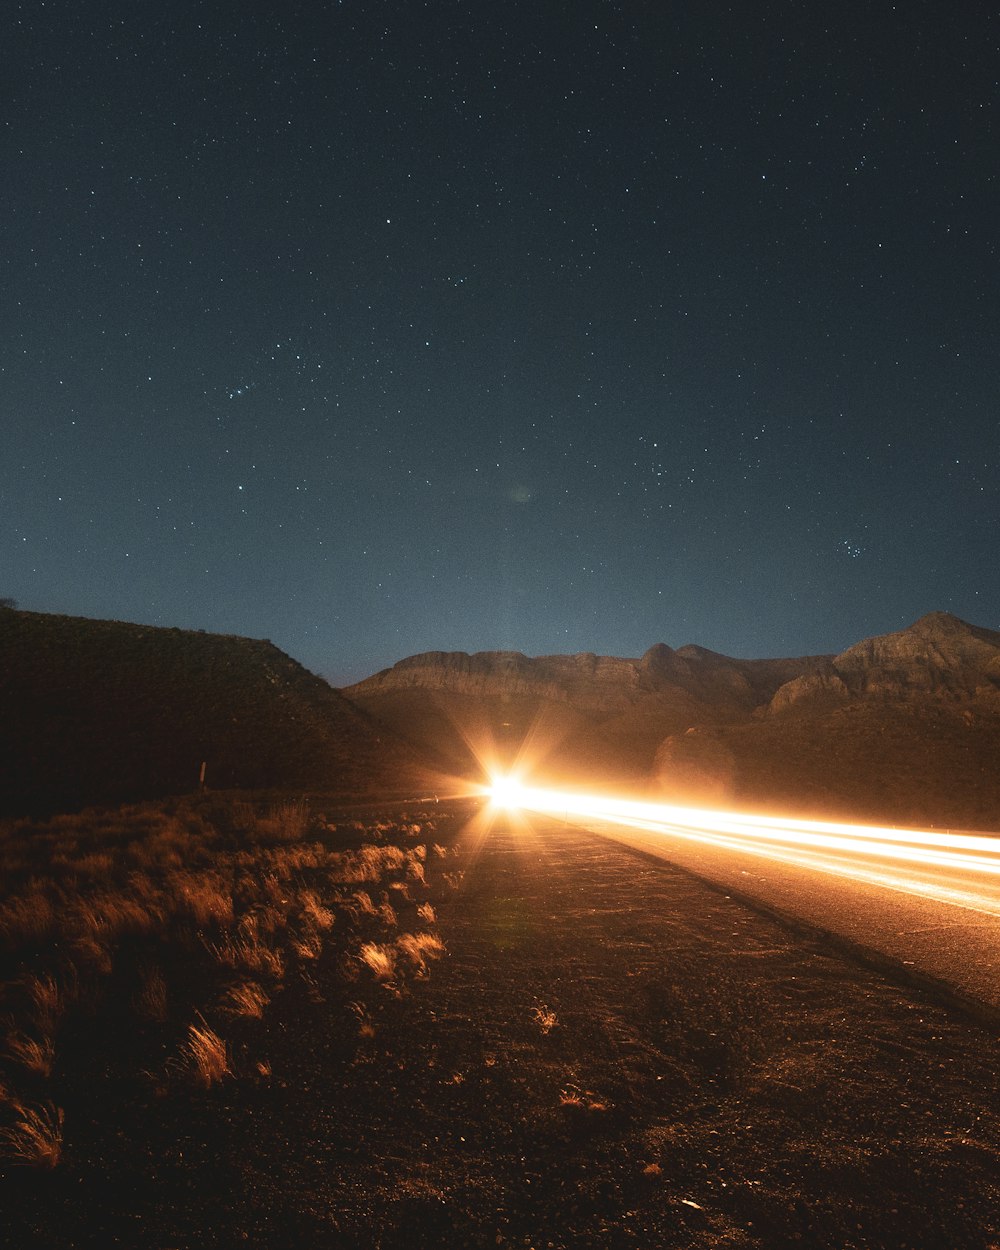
(941, 623)
(691, 651)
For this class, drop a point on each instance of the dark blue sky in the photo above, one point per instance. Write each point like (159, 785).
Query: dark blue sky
(375, 328)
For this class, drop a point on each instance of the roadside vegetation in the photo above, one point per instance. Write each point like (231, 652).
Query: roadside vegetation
(141, 946)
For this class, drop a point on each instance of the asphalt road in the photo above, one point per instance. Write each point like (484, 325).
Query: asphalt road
(925, 902)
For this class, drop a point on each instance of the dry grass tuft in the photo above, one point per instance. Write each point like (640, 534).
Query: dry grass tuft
(380, 959)
(427, 913)
(387, 915)
(285, 822)
(319, 917)
(249, 949)
(583, 1099)
(205, 897)
(415, 865)
(105, 917)
(544, 1017)
(27, 920)
(368, 863)
(366, 1026)
(204, 1056)
(363, 902)
(418, 948)
(37, 1055)
(94, 954)
(308, 944)
(246, 999)
(49, 999)
(35, 1138)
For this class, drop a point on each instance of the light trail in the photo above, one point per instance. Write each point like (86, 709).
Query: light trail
(960, 869)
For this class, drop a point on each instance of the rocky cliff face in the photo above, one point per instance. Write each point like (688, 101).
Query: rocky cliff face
(938, 657)
(585, 679)
(593, 683)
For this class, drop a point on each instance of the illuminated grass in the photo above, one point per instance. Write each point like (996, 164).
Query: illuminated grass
(36, 1136)
(35, 1054)
(204, 1056)
(246, 999)
(418, 948)
(381, 960)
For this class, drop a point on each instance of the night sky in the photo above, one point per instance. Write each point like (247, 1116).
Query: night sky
(381, 327)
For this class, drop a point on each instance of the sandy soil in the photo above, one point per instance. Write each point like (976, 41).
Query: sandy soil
(608, 1054)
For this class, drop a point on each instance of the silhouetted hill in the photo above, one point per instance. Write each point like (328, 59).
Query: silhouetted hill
(903, 727)
(103, 711)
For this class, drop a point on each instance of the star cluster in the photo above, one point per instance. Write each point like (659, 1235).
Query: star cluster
(380, 327)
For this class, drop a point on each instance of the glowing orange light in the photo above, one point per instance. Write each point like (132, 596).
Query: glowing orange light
(507, 792)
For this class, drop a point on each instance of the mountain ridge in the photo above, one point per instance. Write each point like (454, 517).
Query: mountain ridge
(901, 726)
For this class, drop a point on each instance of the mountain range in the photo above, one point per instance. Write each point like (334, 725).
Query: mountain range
(903, 727)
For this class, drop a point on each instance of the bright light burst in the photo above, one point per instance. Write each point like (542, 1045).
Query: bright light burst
(507, 792)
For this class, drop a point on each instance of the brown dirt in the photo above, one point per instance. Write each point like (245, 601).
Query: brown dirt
(610, 1054)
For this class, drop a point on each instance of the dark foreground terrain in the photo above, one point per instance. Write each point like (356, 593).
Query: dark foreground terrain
(233, 1024)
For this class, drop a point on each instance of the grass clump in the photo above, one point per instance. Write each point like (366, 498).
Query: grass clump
(204, 1057)
(35, 1138)
(246, 999)
(380, 959)
(34, 1054)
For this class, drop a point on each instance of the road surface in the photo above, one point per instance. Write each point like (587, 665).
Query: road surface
(927, 901)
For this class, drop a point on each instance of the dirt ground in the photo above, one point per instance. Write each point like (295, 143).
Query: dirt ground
(608, 1053)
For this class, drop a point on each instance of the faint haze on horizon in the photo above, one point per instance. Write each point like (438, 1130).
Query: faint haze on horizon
(376, 329)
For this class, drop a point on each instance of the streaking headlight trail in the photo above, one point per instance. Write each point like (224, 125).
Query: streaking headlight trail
(913, 861)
